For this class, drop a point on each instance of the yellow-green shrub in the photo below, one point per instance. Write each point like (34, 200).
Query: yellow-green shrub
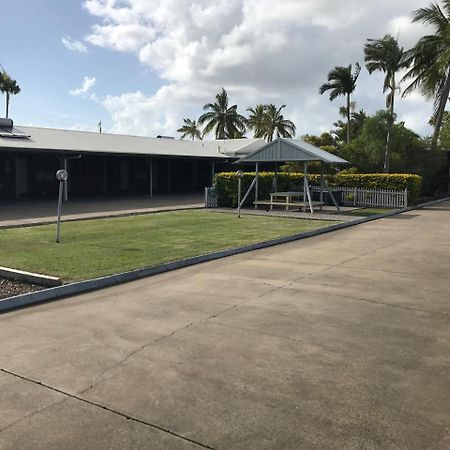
(226, 183)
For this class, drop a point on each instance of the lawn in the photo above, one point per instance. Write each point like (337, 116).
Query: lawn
(95, 248)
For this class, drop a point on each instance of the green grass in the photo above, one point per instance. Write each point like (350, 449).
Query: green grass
(365, 212)
(96, 248)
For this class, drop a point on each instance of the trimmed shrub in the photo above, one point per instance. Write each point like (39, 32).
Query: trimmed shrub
(227, 184)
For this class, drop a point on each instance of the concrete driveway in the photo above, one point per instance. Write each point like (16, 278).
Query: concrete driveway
(336, 342)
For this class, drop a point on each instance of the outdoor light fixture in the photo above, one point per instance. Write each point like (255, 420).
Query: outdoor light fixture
(239, 175)
(61, 176)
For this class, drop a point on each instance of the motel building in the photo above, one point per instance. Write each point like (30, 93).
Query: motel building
(102, 164)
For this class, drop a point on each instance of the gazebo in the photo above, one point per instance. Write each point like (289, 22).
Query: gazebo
(283, 150)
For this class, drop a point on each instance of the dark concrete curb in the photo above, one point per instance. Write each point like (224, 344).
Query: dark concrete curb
(29, 277)
(107, 215)
(113, 280)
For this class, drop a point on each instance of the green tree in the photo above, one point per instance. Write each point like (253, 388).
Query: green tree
(256, 120)
(429, 61)
(9, 87)
(342, 82)
(444, 134)
(276, 124)
(357, 120)
(385, 55)
(324, 140)
(226, 122)
(190, 128)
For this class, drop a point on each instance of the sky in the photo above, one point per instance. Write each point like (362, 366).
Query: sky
(141, 66)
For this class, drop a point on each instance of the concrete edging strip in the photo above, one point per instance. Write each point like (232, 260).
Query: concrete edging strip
(113, 280)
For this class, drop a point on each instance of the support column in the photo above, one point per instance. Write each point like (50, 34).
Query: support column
(168, 175)
(16, 173)
(256, 185)
(213, 172)
(105, 181)
(151, 177)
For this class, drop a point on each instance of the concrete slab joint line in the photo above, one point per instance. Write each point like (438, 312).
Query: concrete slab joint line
(98, 405)
(59, 292)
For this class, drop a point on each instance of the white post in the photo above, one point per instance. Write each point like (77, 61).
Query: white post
(66, 195)
(58, 218)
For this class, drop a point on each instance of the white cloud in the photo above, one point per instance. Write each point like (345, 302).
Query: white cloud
(259, 50)
(87, 85)
(74, 45)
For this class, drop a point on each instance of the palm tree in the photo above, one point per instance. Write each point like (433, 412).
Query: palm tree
(224, 119)
(275, 123)
(9, 87)
(386, 56)
(256, 120)
(341, 81)
(430, 61)
(190, 128)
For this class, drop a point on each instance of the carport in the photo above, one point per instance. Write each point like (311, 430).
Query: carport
(283, 150)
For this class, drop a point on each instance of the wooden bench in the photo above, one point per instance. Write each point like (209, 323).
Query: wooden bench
(299, 204)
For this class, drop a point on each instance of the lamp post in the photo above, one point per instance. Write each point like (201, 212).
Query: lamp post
(61, 176)
(239, 175)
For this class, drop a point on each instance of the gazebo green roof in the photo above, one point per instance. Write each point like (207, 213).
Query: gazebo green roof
(287, 150)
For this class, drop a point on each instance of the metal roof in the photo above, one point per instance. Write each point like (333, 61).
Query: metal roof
(287, 150)
(52, 139)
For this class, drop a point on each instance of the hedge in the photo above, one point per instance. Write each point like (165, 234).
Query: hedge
(226, 184)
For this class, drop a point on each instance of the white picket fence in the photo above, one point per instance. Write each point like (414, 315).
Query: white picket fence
(368, 198)
(373, 198)
(210, 197)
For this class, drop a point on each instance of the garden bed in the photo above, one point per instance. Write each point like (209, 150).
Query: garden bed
(10, 288)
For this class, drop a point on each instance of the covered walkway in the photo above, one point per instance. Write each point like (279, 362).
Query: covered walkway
(336, 342)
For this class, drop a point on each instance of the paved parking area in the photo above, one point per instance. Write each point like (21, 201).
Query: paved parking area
(35, 212)
(341, 341)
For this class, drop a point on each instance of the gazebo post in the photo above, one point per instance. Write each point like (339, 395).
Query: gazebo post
(305, 173)
(256, 185)
(306, 191)
(321, 184)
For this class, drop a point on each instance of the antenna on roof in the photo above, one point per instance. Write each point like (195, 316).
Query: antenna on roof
(99, 126)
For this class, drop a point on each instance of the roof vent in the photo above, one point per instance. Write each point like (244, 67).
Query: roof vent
(7, 130)
(164, 137)
(6, 123)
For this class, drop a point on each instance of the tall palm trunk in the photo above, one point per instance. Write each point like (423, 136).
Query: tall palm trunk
(440, 112)
(348, 118)
(387, 153)
(7, 104)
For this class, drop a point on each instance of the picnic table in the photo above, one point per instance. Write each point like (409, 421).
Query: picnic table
(288, 199)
